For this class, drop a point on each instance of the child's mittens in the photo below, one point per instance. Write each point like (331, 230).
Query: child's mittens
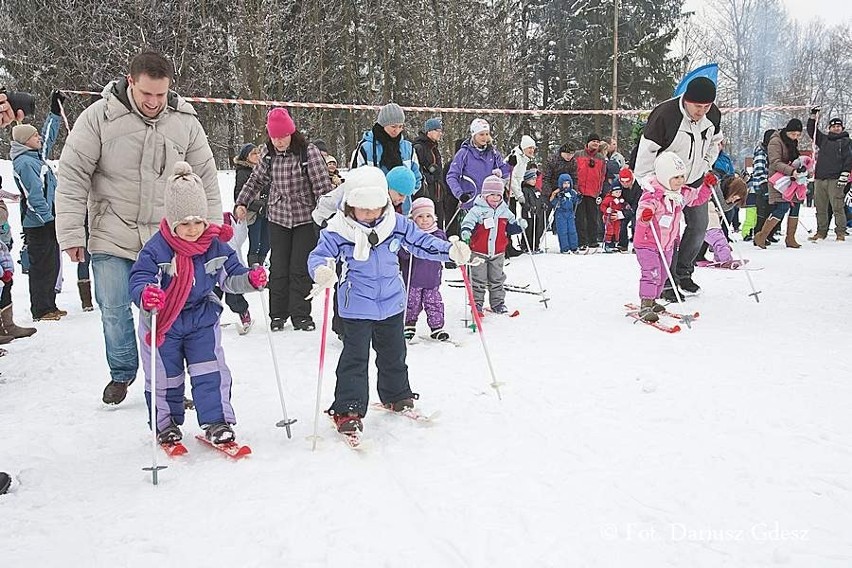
(710, 179)
(7, 276)
(646, 215)
(325, 276)
(258, 278)
(153, 298)
(465, 236)
(459, 251)
(523, 224)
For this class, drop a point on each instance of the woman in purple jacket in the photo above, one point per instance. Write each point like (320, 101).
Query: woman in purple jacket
(367, 235)
(476, 160)
(424, 289)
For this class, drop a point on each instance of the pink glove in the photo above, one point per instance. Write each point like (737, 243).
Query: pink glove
(258, 278)
(7, 276)
(153, 298)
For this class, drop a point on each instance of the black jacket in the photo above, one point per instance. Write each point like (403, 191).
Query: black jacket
(554, 167)
(431, 166)
(241, 175)
(835, 152)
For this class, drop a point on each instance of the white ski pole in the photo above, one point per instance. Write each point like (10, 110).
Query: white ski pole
(326, 304)
(535, 270)
(152, 373)
(754, 292)
(407, 287)
(286, 422)
(494, 383)
(686, 318)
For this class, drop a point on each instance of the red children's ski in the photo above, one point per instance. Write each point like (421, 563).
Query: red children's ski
(513, 314)
(634, 313)
(230, 449)
(411, 413)
(352, 439)
(692, 316)
(174, 449)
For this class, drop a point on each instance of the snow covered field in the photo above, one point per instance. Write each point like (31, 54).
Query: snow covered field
(726, 445)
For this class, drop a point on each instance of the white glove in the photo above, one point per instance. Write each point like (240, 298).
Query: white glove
(521, 199)
(324, 277)
(459, 251)
(522, 223)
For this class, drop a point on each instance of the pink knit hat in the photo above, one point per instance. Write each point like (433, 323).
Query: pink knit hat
(493, 185)
(279, 124)
(422, 206)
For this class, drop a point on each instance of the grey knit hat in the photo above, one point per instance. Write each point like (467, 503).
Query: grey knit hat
(391, 113)
(184, 197)
(23, 132)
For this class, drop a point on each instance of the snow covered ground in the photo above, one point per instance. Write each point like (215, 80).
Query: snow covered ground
(726, 445)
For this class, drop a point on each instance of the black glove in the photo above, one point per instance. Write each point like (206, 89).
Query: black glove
(56, 97)
(801, 169)
(465, 197)
(815, 110)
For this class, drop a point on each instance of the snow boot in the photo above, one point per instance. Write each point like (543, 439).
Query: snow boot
(840, 237)
(646, 311)
(277, 324)
(409, 332)
(688, 285)
(304, 324)
(348, 423)
(658, 308)
(768, 225)
(245, 323)
(115, 392)
(440, 335)
(500, 309)
(792, 225)
(8, 326)
(401, 405)
(817, 237)
(170, 434)
(85, 288)
(669, 295)
(219, 433)
(5, 482)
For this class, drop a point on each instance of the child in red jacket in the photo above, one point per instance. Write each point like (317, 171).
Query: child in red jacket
(612, 208)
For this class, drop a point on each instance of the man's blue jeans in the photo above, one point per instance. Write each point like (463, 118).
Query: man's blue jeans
(112, 293)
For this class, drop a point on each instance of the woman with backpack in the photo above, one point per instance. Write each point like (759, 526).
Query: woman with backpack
(294, 174)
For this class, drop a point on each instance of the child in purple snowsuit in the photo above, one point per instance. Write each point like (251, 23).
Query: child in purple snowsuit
(729, 193)
(424, 288)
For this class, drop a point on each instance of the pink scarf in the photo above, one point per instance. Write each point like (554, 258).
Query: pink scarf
(181, 284)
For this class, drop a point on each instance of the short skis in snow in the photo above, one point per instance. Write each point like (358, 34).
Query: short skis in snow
(231, 449)
(411, 413)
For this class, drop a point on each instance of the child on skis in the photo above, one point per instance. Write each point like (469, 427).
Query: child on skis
(612, 207)
(193, 257)
(730, 192)
(424, 286)
(533, 209)
(487, 227)
(366, 234)
(564, 200)
(658, 228)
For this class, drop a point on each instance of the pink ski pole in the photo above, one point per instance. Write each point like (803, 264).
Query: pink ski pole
(323, 338)
(478, 320)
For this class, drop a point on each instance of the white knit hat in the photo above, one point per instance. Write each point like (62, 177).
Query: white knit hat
(668, 165)
(527, 142)
(185, 198)
(366, 188)
(479, 125)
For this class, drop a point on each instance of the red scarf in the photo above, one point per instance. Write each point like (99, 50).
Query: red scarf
(181, 284)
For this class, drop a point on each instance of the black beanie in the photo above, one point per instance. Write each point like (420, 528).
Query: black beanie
(794, 125)
(834, 121)
(321, 145)
(568, 148)
(593, 136)
(700, 90)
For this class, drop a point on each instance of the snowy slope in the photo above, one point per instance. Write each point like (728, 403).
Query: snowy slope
(614, 444)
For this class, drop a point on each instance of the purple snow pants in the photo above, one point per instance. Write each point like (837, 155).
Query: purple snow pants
(653, 272)
(428, 299)
(716, 240)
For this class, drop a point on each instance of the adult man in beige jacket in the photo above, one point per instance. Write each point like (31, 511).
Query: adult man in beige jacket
(113, 171)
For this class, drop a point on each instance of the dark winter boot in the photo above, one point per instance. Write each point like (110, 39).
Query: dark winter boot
(5, 482)
(688, 285)
(440, 335)
(792, 225)
(303, 324)
(115, 392)
(409, 332)
(219, 433)
(277, 324)
(658, 308)
(646, 312)
(760, 238)
(348, 423)
(85, 287)
(401, 405)
(8, 327)
(170, 434)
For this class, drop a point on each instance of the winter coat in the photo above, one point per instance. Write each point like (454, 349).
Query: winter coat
(369, 153)
(292, 194)
(114, 167)
(566, 200)
(779, 159)
(470, 167)
(670, 129)
(431, 168)
(424, 273)
(610, 204)
(666, 219)
(760, 173)
(835, 152)
(591, 173)
(534, 202)
(491, 240)
(518, 161)
(218, 265)
(35, 178)
(554, 168)
(724, 165)
(373, 289)
(241, 175)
